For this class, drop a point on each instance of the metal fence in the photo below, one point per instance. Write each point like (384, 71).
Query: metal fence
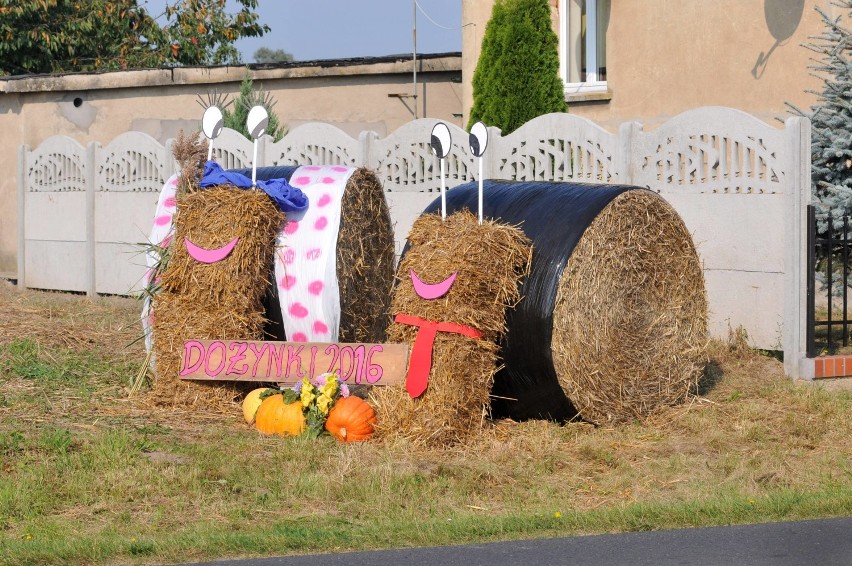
(828, 323)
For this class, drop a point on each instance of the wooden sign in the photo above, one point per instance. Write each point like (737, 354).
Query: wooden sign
(289, 362)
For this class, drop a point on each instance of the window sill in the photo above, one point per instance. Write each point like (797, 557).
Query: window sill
(588, 96)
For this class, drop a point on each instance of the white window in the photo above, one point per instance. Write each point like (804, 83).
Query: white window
(582, 44)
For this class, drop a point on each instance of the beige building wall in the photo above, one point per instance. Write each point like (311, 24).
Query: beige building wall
(99, 107)
(668, 56)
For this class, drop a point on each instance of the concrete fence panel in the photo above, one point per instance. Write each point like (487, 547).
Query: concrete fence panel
(314, 144)
(129, 173)
(555, 147)
(724, 172)
(54, 249)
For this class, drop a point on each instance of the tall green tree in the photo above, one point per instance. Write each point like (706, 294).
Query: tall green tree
(517, 75)
(235, 115)
(52, 36)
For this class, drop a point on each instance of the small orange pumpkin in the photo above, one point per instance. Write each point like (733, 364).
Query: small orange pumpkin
(251, 404)
(351, 420)
(275, 416)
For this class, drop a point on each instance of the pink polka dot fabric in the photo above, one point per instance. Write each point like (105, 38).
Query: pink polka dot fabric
(161, 234)
(305, 262)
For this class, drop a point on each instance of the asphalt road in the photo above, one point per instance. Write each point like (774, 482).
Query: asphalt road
(824, 542)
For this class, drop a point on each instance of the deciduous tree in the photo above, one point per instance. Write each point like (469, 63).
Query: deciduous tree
(52, 36)
(267, 55)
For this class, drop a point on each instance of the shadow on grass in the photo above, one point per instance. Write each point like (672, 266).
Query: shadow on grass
(713, 374)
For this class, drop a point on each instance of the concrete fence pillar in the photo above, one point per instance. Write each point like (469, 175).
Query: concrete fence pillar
(798, 184)
(489, 159)
(366, 157)
(625, 158)
(21, 214)
(91, 176)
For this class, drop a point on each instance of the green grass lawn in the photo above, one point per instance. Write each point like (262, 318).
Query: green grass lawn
(89, 474)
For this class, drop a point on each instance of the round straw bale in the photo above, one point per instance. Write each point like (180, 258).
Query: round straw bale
(365, 258)
(613, 323)
(630, 322)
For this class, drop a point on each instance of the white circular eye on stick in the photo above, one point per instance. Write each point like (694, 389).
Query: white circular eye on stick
(478, 139)
(441, 140)
(212, 122)
(441, 143)
(478, 142)
(211, 125)
(257, 121)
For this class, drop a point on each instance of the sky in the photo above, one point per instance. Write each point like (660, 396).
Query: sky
(339, 29)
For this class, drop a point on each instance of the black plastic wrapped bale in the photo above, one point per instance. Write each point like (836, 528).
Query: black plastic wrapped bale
(613, 320)
(365, 258)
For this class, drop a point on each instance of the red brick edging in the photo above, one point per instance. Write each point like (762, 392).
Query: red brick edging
(832, 366)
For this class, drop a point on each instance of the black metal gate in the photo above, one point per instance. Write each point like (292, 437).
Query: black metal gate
(828, 254)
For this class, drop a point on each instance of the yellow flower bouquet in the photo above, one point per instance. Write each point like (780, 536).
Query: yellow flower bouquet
(318, 396)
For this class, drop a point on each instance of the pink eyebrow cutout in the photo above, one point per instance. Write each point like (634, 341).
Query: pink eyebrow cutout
(210, 256)
(431, 291)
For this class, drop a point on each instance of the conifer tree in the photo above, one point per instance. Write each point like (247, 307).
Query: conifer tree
(235, 117)
(517, 75)
(831, 117)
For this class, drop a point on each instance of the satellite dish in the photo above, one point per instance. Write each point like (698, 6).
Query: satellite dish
(441, 140)
(212, 122)
(257, 121)
(478, 139)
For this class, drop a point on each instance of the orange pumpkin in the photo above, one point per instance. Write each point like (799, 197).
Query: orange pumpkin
(351, 420)
(275, 416)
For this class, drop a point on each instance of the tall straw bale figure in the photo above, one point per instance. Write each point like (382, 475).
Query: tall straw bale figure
(218, 269)
(455, 282)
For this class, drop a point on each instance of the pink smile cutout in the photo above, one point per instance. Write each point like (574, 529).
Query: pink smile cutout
(434, 290)
(210, 256)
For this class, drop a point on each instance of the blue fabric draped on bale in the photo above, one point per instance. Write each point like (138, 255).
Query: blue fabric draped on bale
(285, 196)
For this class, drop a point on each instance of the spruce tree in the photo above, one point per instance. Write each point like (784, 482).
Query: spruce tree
(236, 118)
(517, 75)
(831, 117)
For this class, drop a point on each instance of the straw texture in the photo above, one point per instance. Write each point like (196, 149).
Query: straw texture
(221, 300)
(489, 260)
(630, 321)
(365, 257)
